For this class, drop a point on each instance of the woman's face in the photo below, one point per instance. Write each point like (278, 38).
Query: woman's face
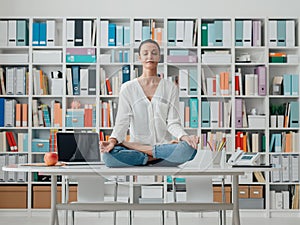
(149, 55)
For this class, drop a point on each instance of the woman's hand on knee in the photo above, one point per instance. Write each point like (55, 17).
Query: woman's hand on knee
(192, 140)
(107, 146)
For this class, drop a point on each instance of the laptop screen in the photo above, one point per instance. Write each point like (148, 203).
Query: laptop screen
(78, 147)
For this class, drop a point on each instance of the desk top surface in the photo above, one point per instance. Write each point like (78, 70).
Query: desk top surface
(138, 170)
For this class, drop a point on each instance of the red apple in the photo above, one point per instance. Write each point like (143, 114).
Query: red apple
(50, 158)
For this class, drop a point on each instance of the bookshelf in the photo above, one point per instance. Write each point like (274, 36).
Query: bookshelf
(227, 61)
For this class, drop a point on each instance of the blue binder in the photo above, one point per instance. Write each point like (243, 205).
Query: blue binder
(112, 34)
(171, 32)
(287, 84)
(126, 36)
(76, 80)
(281, 33)
(145, 33)
(194, 113)
(125, 73)
(205, 114)
(294, 114)
(239, 33)
(22, 33)
(218, 33)
(120, 35)
(43, 34)
(35, 34)
(295, 84)
(2, 108)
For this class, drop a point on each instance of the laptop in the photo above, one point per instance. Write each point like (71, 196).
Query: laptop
(78, 148)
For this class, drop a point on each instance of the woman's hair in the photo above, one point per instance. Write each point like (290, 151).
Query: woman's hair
(148, 41)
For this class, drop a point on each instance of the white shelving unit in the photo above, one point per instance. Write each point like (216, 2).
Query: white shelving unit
(259, 55)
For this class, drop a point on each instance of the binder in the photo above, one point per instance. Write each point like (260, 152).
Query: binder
(87, 33)
(70, 33)
(281, 33)
(226, 33)
(84, 81)
(43, 34)
(214, 114)
(146, 33)
(262, 80)
(18, 115)
(193, 82)
(290, 33)
(183, 82)
(204, 34)
(285, 163)
(218, 41)
(24, 115)
(205, 114)
(11, 159)
(125, 73)
(92, 82)
(275, 175)
(287, 84)
(9, 112)
(277, 144)
(127, 36)
(171, 32)
(272, 31)
(104, 33)
(76, 80)
(193, 112)
(111, 34)
(239, 32)
(181, 113)
(78, 36)
(295, 84)
(247, 33)
(238, 113)
(188, 33)
(12, 33)
(294, 172)
(35, 34)
(50, 24)
(22, 33)
(138, 24)
(3, 174)
(211, 34)
(179, 32)
(2, 110)
(3, 32)
(294, 114)
(10, 80)
(120, 35)
(256, 34)
(20, 81)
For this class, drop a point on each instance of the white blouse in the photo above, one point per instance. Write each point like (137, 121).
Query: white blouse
(150, 122)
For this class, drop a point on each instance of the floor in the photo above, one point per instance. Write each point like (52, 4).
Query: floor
(107, 220)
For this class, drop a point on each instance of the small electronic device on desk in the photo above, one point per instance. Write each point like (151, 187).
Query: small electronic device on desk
(245, 159)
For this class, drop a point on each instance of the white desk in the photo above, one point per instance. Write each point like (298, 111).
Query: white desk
(142, 171)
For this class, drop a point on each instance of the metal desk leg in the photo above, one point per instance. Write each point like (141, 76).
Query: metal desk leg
(54, 215)
(235, 200)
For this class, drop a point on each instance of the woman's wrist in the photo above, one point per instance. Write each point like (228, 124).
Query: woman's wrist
(113, 140)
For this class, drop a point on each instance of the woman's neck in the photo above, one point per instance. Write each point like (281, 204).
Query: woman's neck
(149, 73)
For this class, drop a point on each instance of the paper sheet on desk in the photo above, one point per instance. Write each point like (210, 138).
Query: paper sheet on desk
(202, 160)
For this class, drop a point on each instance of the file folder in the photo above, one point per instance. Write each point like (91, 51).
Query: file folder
(50, 24)
(127, 36)
(10, 80)
(211, 34)
(171, 32)
(281, 33)
(70, 33)
(238, 113)
(104, 33)
(146, 33)
(112, 34)
(262, 80)
(214, 114)
(20, 81)
(3, 33)
(11, 159)
(204, 34)
(87, 33)
(193, 82)
(22, 33)
(256, 34)
(287, 84)
(226, 33)
(92, 82)
(205, 114)
(3, 174)
(179, 32)
(188, 33)
(2, 108)
(21, 176)
(78, 32)
(294, 114)
(183, 82)
(193, 112)
(43, 35)
(285, 160)
(84, 81)
(275, 175)
(218, 33)
(247, 33)
(239, 33)
(12, 33)
(295, 84)
(290, 33)
(76, 80)
(272, 31)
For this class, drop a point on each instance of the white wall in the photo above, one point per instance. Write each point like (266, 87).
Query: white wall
(151, 8)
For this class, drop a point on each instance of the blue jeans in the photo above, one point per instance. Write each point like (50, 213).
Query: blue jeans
(166, 155)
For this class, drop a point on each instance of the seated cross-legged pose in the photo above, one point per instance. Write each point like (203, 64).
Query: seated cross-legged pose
(149, 107)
